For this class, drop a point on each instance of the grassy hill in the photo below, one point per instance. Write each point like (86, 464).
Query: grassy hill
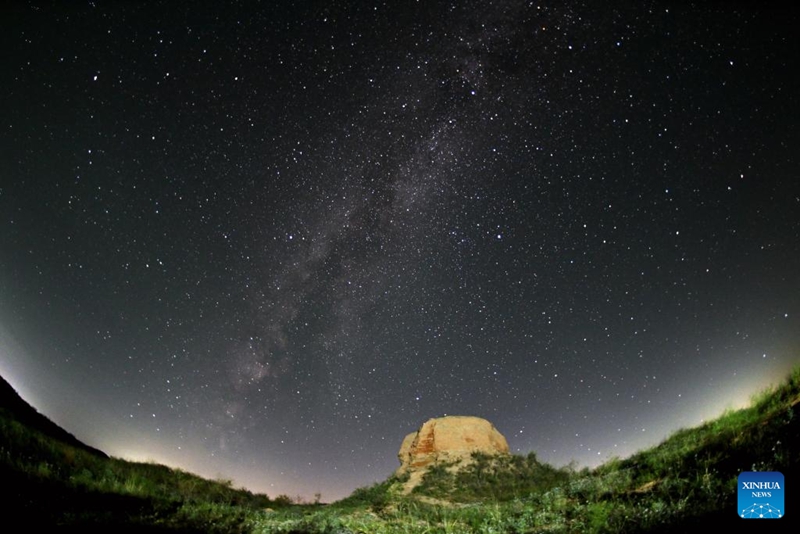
(12, 406)
(51, 479)
(686, 482)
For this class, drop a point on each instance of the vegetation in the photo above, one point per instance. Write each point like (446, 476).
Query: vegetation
(689, 480)
(53, 483)
(492, 478)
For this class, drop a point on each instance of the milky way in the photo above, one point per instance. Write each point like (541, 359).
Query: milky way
(267, 241)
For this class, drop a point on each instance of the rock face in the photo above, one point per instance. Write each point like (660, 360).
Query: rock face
(449, 439)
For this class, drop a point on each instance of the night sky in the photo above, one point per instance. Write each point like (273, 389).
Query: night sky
(266, 240)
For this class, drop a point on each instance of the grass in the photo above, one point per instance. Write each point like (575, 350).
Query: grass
(688, 480)
(492, 478)
(49, 482)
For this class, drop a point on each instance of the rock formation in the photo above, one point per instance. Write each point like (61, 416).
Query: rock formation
(450, 439)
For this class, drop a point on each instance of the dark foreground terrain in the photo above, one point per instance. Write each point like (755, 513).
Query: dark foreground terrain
(688, 482)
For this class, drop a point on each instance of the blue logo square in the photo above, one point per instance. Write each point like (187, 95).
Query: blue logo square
(761, 495)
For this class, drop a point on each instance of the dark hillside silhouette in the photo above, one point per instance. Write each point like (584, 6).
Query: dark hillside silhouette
(14, 407)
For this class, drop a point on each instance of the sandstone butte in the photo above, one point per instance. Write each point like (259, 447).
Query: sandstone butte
(447, 440)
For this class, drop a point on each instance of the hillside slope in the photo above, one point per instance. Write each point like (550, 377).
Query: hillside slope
(688, 482)
(52, 480)
(14, 407)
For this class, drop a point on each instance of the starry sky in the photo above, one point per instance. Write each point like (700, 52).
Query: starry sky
(266, 240)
